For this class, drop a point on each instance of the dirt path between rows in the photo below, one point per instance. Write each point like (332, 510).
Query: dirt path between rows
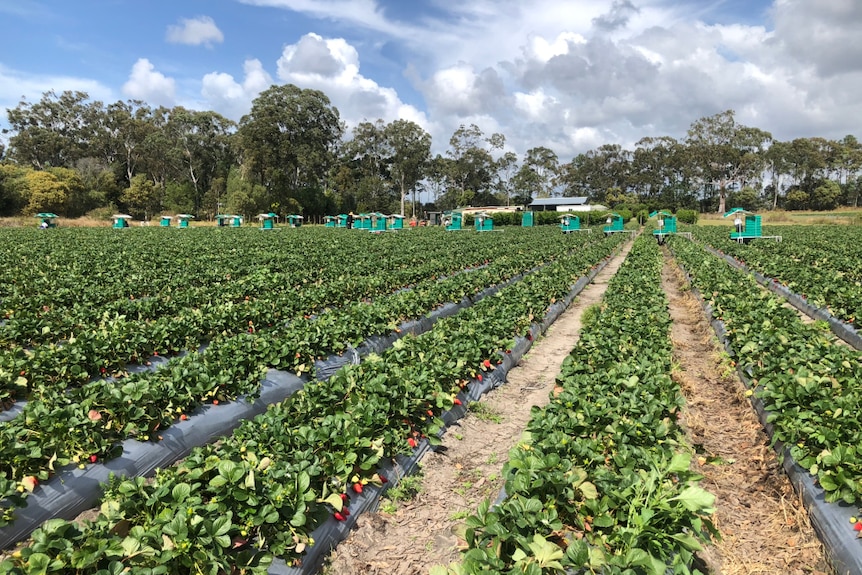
(764, 526)
(418, 534)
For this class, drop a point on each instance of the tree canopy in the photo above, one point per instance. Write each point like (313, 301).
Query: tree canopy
(292, 153)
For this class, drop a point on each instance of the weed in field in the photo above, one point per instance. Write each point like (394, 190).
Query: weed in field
(485, 412)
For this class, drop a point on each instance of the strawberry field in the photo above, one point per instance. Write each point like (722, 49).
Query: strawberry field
(83, 363)
(112, 343)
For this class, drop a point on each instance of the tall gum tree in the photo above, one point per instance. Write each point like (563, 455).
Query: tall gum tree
(289, 139)
(726, 153)
(410, 151)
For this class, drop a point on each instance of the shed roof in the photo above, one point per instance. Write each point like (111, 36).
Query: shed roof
(571, 201)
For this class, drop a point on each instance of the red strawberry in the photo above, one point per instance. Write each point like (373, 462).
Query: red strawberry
(430, 413)
(338, 516)
(345, 512)
(383, 479)
(456, 401)
(357, 487)
(184, 417)
(344, 497)
(94, 459)
(215, 402)
(858, 526)
(411, 442)
(487, 363)
(479, 377)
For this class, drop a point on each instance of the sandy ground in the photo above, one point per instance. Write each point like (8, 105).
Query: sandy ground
(418, 535)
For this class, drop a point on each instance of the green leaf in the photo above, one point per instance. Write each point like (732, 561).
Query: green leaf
(180, 492)
(687, 541)
(695, 499)
(680, 462)
(589, 490)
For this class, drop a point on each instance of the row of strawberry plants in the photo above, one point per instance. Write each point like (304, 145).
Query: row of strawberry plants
(117, 341)
(820, 263)
(808, 384)
(87, 424)
(262, 491)
(163, 279)
(600, 482)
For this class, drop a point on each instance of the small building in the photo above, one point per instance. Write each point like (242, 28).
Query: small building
(294, 220)
(267, 221)
(232, 220)
(165, 221)
(362, 222)
(121, 221)
(528, 220)
(395, 222)
(666, 222)
(570, 223)
(483, 222)
(452, 220)
(570, 204)
(48, 220)
(615, 224)
(747, 226)
(330, 221)
(183, 220)
(377, 222)
(341, 222)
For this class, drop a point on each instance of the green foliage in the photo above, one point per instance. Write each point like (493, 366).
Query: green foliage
(142, 197)
(796, 199)
(806, 382)
(687, 216)
(600, 481)
(46, 191)
(825, 196)
(277, 477)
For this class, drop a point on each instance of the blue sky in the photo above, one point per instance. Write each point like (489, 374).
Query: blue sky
(569, 75)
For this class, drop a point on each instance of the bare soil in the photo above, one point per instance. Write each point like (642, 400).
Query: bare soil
(764, 527)
(419, 534)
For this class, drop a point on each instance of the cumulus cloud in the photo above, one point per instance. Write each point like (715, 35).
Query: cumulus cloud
(16, 85)
(231, 98)
(332, 66)
(195, 32)
(824, 34)
(146, 84)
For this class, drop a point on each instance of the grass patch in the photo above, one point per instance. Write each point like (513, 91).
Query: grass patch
(485, 412)
(408, 488)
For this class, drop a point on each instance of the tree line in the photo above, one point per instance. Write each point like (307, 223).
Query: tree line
(292, 153)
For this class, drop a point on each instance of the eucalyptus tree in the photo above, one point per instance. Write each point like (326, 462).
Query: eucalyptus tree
(470, 169)
(288, 140)
(50, 132)
(202, 140)
(409, 148)
(505, 172)
(365, 159)
(543, 162)
(596, 173)
(726, 153)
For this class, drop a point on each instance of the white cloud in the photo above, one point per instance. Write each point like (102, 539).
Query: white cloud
(332, 66)
(146, 84)
(194, 32)
(231, 98)
(16, 85)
